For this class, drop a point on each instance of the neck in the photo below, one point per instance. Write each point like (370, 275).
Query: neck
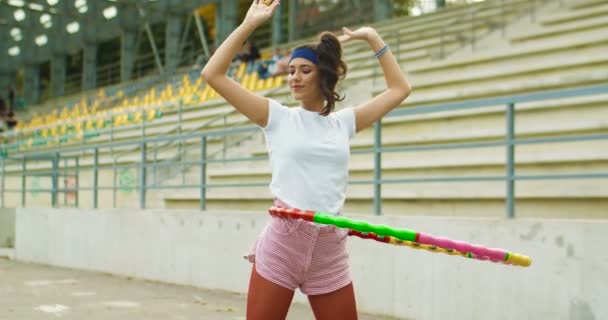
(315, 105)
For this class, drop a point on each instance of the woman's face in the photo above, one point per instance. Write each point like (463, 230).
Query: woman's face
(303, 79)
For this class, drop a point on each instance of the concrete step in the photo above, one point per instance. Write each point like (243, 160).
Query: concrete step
(566, 189)
(519, 85)
(588, 157)
(538, 47)
(7, 253)
(534, 68)
(582, 4)
(578, 10)
(597, 23)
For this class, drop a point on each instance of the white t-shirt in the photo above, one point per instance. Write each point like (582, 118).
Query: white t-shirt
(309, 156)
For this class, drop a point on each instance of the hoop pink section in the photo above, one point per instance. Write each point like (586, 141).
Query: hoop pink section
(478, 252)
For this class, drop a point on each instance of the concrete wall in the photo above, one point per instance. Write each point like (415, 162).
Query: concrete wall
(567, 279)
(7, 228)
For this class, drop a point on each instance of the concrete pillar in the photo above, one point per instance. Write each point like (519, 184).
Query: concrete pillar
(128, 42)
(31, 86)
(58, 74)
(31, 68)
(383, 9)
(173, 35)
(226, 19)
(5, 80)
(293, 15)
(5, 83)
(58, 51)
(89, 61)
(90, 27)
(218, 25)
(277, 26)
(127, 54)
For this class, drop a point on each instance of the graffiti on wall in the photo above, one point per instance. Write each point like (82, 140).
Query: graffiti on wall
(126, 180)
(34, 187)
(70, 187)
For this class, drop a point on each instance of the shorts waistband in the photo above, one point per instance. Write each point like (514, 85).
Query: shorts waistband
(302, 224)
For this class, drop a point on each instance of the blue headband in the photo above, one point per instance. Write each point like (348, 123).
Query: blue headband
(305, 53)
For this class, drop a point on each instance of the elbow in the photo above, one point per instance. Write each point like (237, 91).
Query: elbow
(406, 90)
(205, 74)
(208, 76)
(401, 89)
(210, 73)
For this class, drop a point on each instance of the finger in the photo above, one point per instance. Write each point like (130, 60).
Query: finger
(343, 38)
(274, 4)
(347, 31)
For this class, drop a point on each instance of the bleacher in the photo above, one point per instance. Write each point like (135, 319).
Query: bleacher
(457, 54)
(560, 47)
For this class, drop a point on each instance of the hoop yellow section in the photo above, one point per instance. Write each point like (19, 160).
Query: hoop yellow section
(416, 245)
(519, 260)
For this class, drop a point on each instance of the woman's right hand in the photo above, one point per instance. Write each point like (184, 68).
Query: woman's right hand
(260, 11)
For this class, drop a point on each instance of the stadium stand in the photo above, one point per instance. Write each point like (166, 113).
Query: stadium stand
(488, 49)
(559, 50)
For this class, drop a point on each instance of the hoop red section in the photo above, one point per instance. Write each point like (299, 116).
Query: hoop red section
(291, 213)
(369, 235)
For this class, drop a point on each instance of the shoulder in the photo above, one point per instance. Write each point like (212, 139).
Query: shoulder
(277, 112)
(346, 118)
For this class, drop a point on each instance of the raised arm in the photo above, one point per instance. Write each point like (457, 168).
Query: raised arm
(249, 104)
(398, 88)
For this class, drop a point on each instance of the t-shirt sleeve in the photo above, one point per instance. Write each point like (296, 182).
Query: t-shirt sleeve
(347, 119)
(276, 113)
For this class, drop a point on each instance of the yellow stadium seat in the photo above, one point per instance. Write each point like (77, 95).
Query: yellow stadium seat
(253, 83)
(205, 94)
(89, 125)
(267, 84)
(150, 114)
(138, 116)
(246, 80)
(278, 81)
(240, 72)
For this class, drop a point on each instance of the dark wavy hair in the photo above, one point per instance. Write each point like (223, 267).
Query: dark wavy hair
(331, 68)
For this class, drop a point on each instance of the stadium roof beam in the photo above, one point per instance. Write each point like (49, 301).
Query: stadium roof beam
(5, 70)
(90, 47)
(45, 30)
(36, 7)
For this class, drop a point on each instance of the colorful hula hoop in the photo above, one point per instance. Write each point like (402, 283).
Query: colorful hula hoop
(404, 237)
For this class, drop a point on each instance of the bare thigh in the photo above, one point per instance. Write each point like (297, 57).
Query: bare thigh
(267, 300)
(339, 304)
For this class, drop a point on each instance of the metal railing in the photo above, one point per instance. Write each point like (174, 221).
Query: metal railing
(509, 142)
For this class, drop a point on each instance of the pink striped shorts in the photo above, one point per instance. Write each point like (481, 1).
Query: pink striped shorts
(300, 254)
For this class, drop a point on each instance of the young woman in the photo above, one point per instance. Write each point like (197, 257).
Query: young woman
(309, 151)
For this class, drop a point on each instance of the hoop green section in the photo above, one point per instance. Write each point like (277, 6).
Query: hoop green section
(362, 226)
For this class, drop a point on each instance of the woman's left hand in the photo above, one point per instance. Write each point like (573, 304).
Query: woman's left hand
(261, 11)
(363, 33)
